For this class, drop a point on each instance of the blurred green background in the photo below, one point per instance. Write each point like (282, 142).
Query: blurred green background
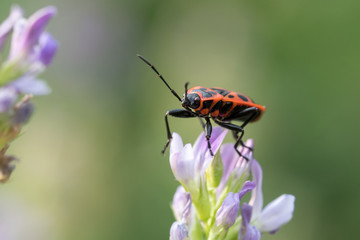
(90, 164)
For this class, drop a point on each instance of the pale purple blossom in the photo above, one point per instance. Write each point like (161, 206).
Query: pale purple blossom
(272, 217)
(179, 231)
(248, 232)
(181, 204)
(233, 163)
(228, 211)
(206, 208)
(189, 163)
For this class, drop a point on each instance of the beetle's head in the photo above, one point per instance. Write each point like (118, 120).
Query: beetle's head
(191, 100)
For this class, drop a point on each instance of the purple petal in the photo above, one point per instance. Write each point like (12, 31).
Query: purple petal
(229, 157)
(247, 187)
(203, 154)
(228, 211)
(30, 85)
(246, 211)
(7, 99)
(276, 213)
(256, 200)
(176, 144)
(248, 232)
(48, 47)
(217, 136)
(251, 233)
(233, 163)
(184, 166)
(37, 24)
(6, 27)
(178, 231)
(246, 151)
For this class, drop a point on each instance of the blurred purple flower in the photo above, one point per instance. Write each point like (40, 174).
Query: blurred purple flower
(31, 51)
(29, 84)
(47, 48)
(23, 111)
(7, 99)
(27, 32)
(6, 27)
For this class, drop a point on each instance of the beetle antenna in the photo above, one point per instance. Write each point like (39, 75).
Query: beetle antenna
(186, 90)
(160, 76)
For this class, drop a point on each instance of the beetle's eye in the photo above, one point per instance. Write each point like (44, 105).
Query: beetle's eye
(196, 102)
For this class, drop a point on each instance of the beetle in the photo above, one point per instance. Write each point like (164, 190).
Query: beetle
(220, 105)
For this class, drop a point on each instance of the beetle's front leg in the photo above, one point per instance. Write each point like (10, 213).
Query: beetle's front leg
(208, 130)
(181, 113)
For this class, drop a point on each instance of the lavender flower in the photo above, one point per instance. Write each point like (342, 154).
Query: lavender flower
(227, 213)
(275, 214)
(189, 163)
(207, 206)
(31, 51)
(181, 204)
(178, 231)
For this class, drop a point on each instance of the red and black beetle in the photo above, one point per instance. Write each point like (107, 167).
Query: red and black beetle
(221, 105)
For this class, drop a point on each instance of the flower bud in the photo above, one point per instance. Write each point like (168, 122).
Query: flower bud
(227, 213)
(23, 111)
(181, 204)
(178, 231)
(214, 172)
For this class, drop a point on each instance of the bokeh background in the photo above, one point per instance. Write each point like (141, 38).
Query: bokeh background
(90, 164)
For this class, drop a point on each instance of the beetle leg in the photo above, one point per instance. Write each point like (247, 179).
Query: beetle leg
(181, 113)
(239, 129)
(236, 137)
(208, 130)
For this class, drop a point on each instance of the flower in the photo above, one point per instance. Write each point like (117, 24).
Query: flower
(31, 51)
(181, 204)
(227, 213)
(206, 206)
(272, 217)
(248, 232)
(235, 167)
(178, 231)
(189, 163)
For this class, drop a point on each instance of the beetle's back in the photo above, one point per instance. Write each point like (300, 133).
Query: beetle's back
(223, 104)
